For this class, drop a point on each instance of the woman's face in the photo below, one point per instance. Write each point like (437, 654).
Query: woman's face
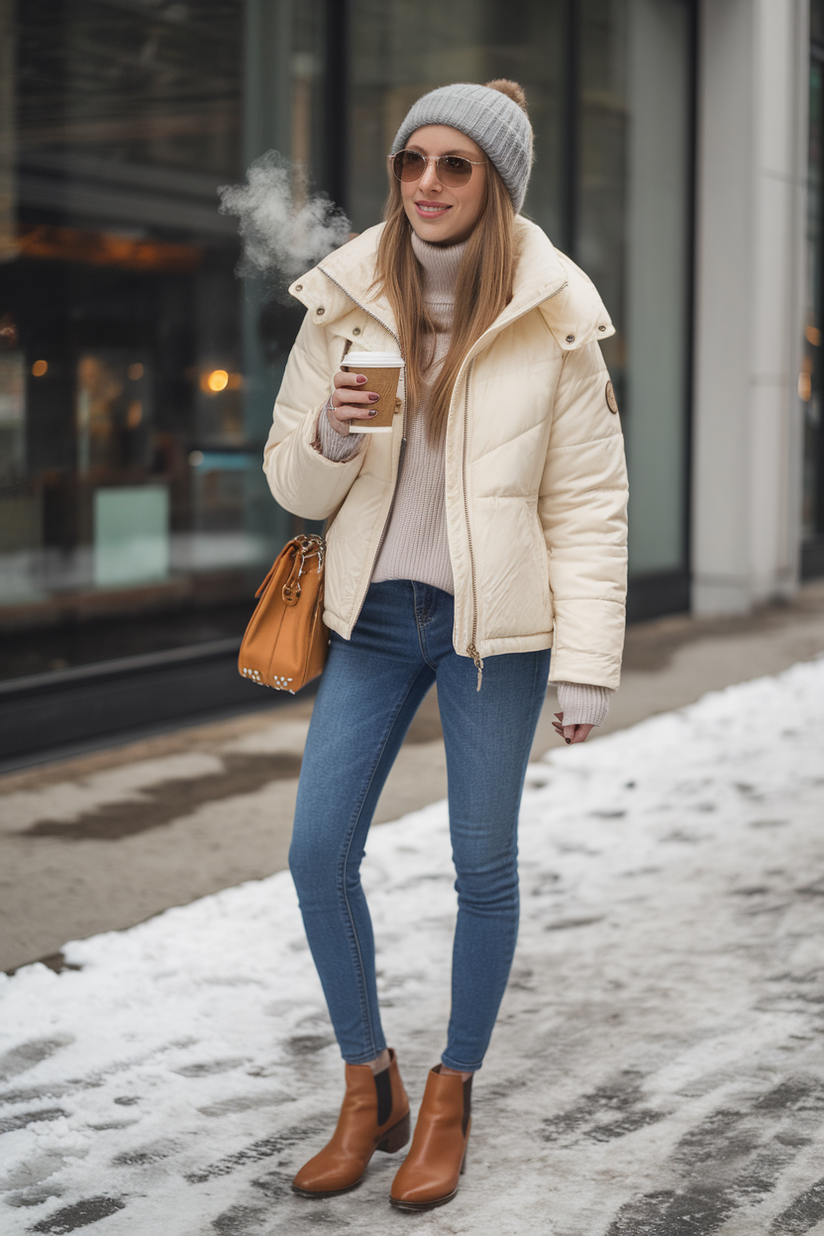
(438, 213)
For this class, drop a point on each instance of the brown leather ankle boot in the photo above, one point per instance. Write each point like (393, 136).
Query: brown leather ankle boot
(374, 1116)
(429, 1174)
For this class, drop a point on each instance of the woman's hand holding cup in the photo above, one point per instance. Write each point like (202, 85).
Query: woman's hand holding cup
(349, 401)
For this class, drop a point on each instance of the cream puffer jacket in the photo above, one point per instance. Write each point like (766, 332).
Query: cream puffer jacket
(536, 486)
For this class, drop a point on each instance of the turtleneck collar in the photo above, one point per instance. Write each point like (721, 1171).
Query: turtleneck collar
(440, 267)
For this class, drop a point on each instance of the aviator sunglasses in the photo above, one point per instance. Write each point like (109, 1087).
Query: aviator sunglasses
(452, 170)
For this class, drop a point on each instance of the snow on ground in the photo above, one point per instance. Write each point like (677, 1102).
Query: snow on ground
(657, 1068)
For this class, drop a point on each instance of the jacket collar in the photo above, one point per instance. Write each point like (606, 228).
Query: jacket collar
(344, 280)
(544, 277)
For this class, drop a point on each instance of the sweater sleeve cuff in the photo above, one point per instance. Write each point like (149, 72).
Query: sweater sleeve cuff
(333, 445)
(582, 704)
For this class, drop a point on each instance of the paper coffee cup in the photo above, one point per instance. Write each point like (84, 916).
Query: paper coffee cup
(382, 371)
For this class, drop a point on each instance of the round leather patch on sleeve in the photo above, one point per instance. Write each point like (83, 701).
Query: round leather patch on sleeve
(612, 402)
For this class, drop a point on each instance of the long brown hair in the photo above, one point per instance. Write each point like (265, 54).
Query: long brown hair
(483, 290)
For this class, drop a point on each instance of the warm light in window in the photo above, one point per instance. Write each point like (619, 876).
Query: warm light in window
(135, 414)
(8, 330)
(218, 380)
(39, 368)
(805, 387)
(135, 371)
(813, 336)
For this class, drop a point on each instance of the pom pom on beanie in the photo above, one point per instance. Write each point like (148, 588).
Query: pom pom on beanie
(512, 90)
(494, 116)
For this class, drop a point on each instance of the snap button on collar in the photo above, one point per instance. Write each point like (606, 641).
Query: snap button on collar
(570, 338)
(298, 287)
(320, 311)
(356, 330)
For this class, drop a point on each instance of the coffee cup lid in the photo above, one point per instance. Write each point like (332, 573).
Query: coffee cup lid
(374, 360)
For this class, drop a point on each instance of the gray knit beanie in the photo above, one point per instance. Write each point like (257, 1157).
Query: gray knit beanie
(497, 123)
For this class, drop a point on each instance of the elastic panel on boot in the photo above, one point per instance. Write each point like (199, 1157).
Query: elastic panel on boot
(383, 1085)
(467, 1104)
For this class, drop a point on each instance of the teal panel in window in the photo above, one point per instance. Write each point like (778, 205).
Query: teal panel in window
(131, 535)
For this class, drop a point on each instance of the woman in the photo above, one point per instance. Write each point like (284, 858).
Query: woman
(487, 528)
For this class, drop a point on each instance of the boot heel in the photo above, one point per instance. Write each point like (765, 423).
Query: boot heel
(396, 1137)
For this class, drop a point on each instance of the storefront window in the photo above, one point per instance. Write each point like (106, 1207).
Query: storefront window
(293, 106)
(129, 475)
(137, 371)
(817, 22)
(656, 317)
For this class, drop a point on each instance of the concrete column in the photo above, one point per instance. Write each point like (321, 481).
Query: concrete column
(752, 136)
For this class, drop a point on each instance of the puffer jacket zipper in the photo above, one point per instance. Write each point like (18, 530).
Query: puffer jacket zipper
(471, 648)
(368, 312)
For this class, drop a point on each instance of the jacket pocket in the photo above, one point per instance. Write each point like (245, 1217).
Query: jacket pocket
(513, 583)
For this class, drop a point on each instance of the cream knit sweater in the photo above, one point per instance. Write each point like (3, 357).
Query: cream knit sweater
(415, 545)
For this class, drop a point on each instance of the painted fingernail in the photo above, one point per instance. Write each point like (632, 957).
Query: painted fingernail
(360, 379)
(373, 398)
(567, 741)
(373, 412)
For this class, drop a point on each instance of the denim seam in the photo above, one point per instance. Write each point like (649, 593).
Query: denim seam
(422, 621)
(350, 925)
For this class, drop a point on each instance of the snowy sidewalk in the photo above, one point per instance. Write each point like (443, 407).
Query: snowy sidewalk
(657, 1068)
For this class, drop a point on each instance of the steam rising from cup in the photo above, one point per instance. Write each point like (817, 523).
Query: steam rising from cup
(284, 232)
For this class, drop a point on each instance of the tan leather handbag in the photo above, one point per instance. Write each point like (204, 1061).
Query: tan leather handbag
(285, 642)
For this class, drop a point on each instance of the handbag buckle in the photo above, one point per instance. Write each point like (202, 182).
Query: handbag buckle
(309, 546)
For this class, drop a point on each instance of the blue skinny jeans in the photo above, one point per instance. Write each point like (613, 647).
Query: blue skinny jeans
(370, 690)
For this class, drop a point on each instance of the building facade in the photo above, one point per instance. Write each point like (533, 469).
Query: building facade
(678, 161)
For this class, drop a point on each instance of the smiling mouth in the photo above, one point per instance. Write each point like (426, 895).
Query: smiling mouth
(431, 209)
